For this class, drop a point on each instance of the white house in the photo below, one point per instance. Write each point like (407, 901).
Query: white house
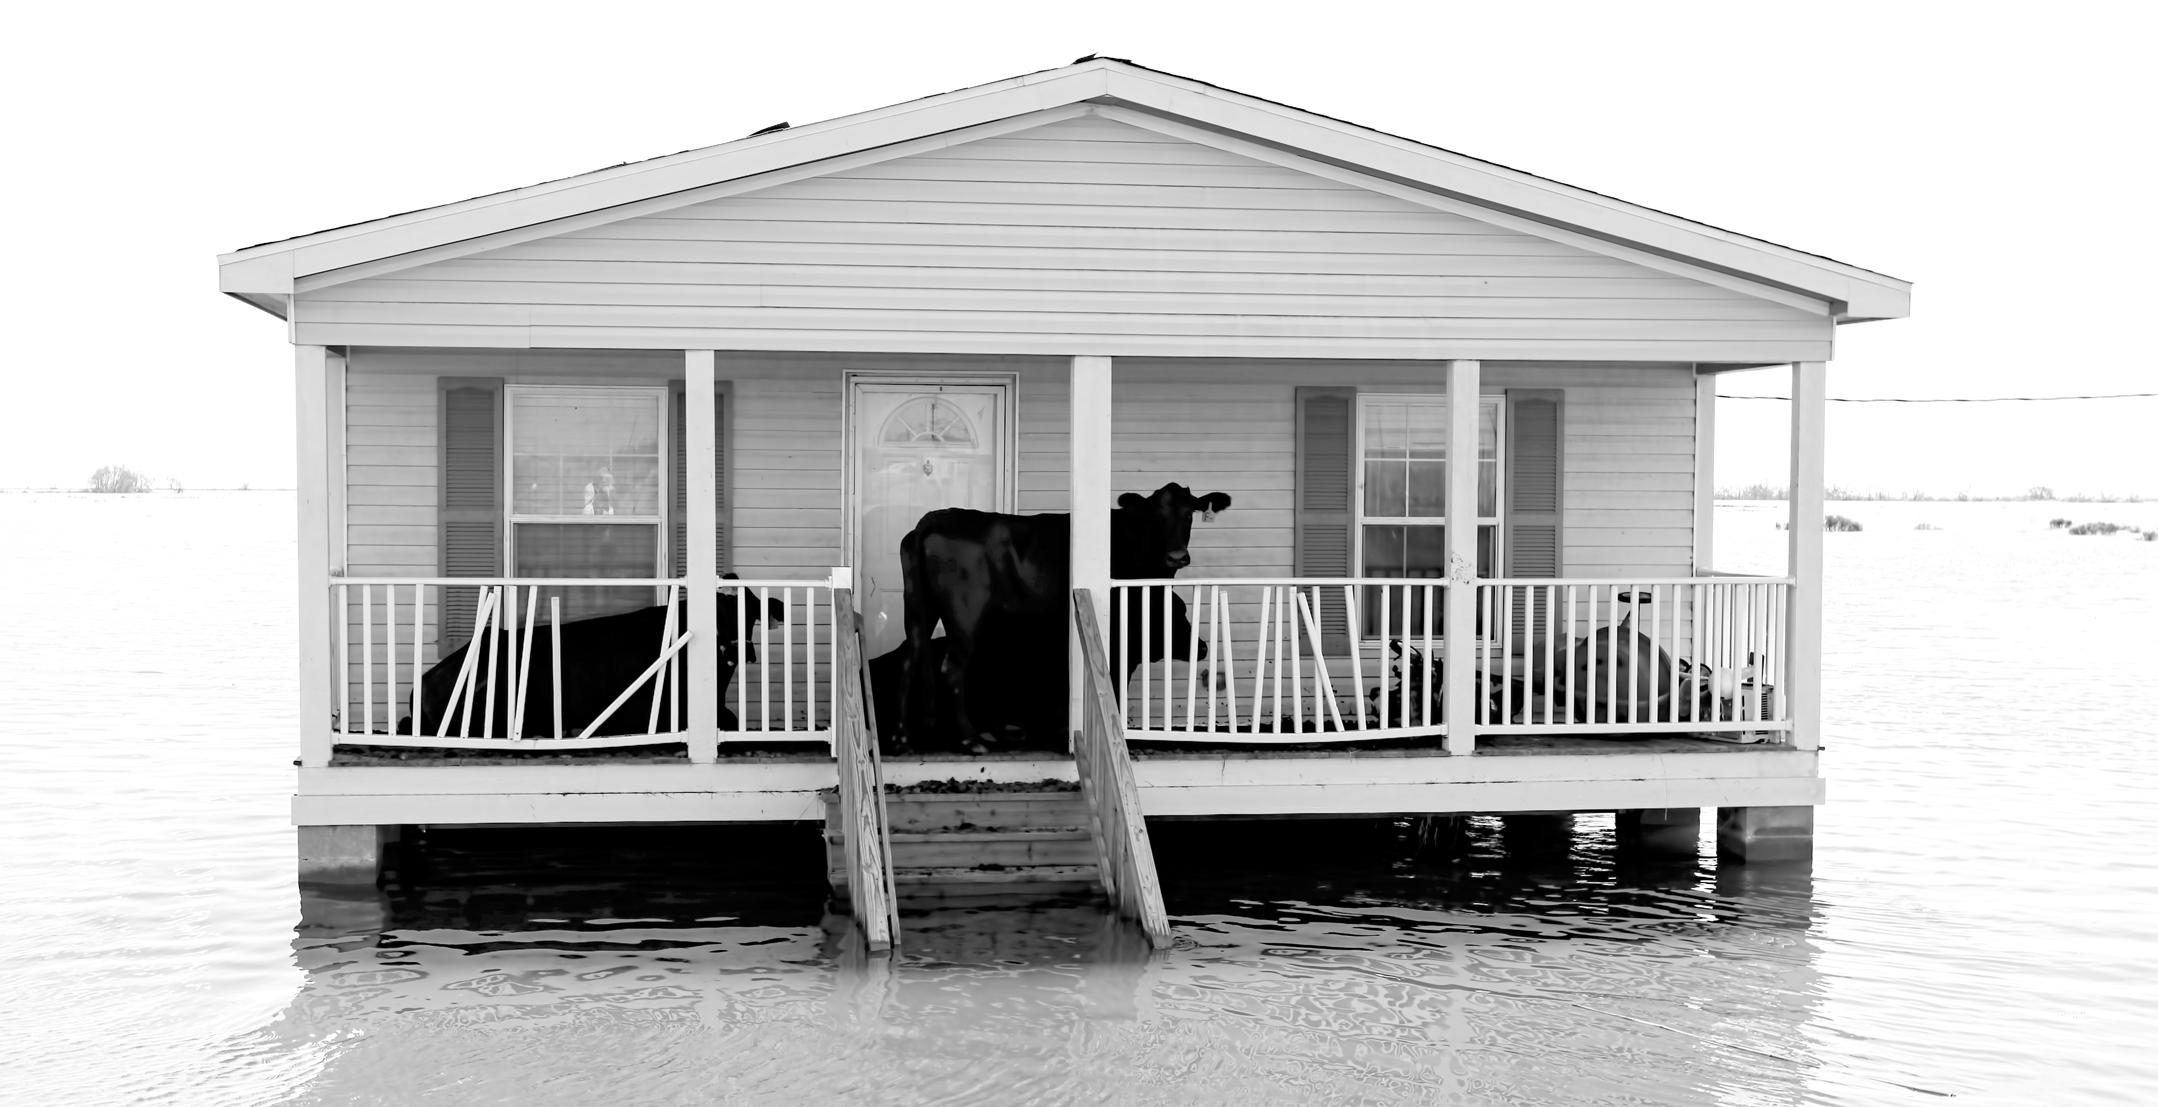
(1031, 296)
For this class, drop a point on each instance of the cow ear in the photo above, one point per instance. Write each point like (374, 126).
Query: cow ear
(730, 576)
(1216, 502)
(1131, 500)
(775, 611)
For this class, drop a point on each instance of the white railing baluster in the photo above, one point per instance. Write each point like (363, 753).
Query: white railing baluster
(1192, 661)
(1324, 702)
(764, 663)
(367, 660)
(786, 661)
(1352, 618)
(524, 664)
(1146, 671)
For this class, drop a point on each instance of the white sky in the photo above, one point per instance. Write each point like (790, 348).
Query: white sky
(1996, 156)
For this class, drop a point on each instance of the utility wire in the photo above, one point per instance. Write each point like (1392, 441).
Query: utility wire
(1954, 399)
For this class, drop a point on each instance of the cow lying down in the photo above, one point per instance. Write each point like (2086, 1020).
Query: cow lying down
(600, 657)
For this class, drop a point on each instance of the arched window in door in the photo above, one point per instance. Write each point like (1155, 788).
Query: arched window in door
(928, 421)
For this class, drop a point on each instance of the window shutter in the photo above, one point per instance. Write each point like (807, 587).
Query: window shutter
(1325, 440)
(1535, 488)
(471, 501)
(679, 507)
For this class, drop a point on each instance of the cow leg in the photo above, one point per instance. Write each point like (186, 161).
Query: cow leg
(960, 637)
(916, 704)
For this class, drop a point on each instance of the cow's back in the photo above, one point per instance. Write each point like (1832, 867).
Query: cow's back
(1023, 560)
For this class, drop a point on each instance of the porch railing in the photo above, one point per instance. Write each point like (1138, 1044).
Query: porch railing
(870, 884)
(1668, 655)
(1353, 659)
(1111, 788)
(1286, 659)
(508, 693)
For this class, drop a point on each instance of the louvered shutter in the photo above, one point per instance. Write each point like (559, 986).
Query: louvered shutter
(470, 512)
(1325, 440)
(679, 509)
(1535, 489)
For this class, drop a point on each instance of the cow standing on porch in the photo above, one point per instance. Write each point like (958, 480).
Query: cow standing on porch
(964, 568)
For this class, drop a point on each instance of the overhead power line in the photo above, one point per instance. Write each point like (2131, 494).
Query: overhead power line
(1954, 399)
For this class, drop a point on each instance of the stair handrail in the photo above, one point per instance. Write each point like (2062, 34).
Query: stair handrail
(1110, 788)
(861, 789)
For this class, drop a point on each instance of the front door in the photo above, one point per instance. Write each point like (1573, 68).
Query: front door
(917, 444)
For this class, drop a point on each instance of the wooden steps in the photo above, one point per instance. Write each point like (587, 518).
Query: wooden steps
(947, 845)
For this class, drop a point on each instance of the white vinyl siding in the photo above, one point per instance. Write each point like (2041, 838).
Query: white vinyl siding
(1229, 426)
(1081, 235)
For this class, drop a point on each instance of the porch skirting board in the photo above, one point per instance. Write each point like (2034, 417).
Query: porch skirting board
(763, 791)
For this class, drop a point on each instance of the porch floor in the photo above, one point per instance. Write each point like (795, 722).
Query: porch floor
(1499, 745)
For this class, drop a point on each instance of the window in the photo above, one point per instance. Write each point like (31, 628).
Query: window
(585, 490)
(1401, 509)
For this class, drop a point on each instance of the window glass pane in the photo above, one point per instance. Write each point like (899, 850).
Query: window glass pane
(1404, 459)
(589, 550)
(578, 452)
(1487, 467)
(1427, 489)
(1385, 489)
(1384, 555)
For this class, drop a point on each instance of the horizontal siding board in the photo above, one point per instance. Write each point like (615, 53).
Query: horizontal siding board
(1077, 323)
(984, 290)
(904, 273)
(1083, 236)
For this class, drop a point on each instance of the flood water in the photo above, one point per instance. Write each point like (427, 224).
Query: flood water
(1981, 922)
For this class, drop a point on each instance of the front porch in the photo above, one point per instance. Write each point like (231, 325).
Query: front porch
(1599, 647)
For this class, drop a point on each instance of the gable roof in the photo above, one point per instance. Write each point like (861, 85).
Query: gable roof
(268, 274)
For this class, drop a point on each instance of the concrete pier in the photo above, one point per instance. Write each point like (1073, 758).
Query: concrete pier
(1675, 831)
(1754, 835)
(347, 854)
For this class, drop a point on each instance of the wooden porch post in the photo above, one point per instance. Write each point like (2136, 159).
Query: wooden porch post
(1464, 385)
(701, 551)
(1802, 644)
(311, 440)
(1704, 474)
(1090, 503)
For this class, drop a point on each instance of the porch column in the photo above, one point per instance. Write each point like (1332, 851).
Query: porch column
(1090, 503)
(311, 440)
(701, 551)
(1802, 633)
(1704, 474)
(1464, 385)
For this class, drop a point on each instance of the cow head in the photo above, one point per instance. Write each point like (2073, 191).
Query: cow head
(1164, 521)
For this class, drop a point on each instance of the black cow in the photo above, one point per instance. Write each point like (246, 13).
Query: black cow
(1007, 687)
(960, 565)
(600, 657)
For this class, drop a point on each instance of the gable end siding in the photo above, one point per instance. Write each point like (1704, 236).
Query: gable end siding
(1081, 235)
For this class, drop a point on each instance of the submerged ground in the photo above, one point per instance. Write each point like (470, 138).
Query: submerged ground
(1978, 924)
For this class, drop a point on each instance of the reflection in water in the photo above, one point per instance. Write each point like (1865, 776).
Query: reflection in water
(1315, 961)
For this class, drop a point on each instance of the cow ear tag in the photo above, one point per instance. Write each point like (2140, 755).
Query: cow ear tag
(1206, 516)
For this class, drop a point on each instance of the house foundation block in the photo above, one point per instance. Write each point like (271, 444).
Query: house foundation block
(349, 854)
(1764, 834)
(1537, 835)
(1662, 830)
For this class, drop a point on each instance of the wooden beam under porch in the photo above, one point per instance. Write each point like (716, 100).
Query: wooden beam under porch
(1509, 774)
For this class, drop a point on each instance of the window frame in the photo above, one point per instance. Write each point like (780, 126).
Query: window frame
(660, 520)
(1365, 401)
